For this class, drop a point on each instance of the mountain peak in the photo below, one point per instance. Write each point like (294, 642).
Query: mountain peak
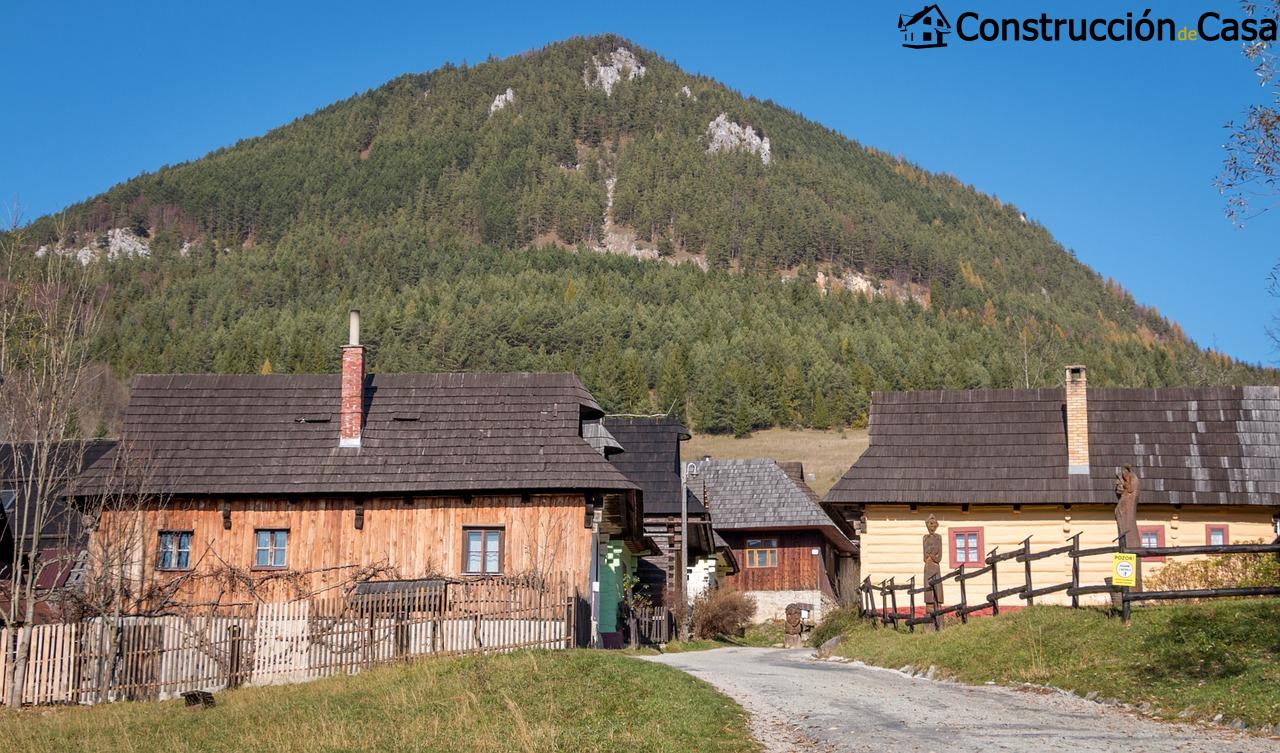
(595, 144)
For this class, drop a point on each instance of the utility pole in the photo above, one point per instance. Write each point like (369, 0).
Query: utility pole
(689, 469)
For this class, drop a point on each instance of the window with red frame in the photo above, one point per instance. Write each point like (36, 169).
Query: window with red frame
(1151, 536)
(966, 546)
(1217, 535)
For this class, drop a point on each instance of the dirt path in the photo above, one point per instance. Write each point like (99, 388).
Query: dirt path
(798, 703)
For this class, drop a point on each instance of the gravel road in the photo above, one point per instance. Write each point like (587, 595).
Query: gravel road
(799, 703)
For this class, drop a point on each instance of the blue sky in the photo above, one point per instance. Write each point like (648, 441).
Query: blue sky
(1113, 147)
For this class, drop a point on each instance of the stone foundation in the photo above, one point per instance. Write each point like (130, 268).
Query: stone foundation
(772, 605)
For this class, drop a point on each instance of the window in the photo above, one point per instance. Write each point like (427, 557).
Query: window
(7, 498)
(762, 552)
(270, 547)
(966, 546)
(175, 550)
(1152, 536)
(481, 551)
(1216, 535)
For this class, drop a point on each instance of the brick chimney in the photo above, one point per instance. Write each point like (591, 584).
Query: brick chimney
(1076, 381)
(352, 410)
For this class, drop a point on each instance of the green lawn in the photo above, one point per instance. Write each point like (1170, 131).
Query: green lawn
(528, 701)
(1212, 658)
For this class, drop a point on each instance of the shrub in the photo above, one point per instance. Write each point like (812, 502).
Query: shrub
(835, 622)
(721, 611)
(1222, 571)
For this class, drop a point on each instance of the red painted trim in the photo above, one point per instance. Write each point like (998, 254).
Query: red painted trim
(1226, 533)
(905, 612)
(1159, 532)
(951, 546)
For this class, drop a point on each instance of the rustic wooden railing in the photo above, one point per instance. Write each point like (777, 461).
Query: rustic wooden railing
(158, 657)
(889, 612)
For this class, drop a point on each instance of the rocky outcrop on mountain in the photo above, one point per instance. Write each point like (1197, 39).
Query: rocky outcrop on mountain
(726, 135)
(685, 91)
(502, 100)
(605, 73)
(117, 243)
(857, 282)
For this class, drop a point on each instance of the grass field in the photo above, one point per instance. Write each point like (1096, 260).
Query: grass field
(528, 701)
(826, 454)
(1193, 660)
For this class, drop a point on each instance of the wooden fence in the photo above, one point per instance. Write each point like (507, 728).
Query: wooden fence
(889, 610)
(649, 626)
(159, 657)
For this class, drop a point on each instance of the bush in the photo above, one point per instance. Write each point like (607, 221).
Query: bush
(1222, 571)
(722, 611)
(835, 622)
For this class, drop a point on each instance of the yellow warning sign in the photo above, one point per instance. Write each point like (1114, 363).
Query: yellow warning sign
(1124, 569)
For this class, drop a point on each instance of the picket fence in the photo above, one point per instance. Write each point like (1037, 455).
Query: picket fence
(160, 657)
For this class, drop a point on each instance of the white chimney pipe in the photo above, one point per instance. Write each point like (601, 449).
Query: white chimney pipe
(353, 338)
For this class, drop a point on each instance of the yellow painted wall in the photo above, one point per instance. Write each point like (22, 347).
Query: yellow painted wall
(891, 545)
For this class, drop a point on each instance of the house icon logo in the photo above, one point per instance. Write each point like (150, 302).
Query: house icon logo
(927, 28)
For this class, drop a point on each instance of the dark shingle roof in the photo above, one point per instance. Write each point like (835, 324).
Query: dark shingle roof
(1206, 445)
(651, 458)
(432, 433)
(760, 495)
(18, 484)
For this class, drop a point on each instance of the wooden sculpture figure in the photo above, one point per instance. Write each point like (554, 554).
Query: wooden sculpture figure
(932, 561)
(1126, 488)
(793, 628)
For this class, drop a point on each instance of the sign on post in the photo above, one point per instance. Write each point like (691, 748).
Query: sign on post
(1124, 569)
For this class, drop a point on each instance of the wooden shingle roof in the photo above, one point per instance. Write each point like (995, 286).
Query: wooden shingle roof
(428, 433)
(651, 458)
(759, 495)
(1204, 445)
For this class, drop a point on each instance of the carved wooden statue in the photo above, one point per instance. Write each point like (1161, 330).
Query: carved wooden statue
(932, 560)
(1126, 488)
(793, 628)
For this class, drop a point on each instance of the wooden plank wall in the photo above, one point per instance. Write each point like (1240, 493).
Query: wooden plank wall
(423, 537)
(891, 545)
(657, 572)
(798, 568)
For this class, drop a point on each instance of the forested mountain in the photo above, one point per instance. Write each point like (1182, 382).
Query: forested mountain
(787, 271)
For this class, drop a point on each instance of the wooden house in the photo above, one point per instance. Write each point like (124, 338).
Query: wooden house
(264, 487)
(651, 459)
(997, 466)
(789, 549)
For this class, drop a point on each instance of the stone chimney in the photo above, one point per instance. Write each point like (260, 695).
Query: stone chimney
(1076, 381)
(352, 410)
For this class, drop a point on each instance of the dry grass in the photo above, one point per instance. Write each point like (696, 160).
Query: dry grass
(826, 454)
(527, 701)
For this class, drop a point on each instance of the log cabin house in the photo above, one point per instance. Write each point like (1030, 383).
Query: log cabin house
(789, 549)
(652, 460)
(268, 487)
(997, 466)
